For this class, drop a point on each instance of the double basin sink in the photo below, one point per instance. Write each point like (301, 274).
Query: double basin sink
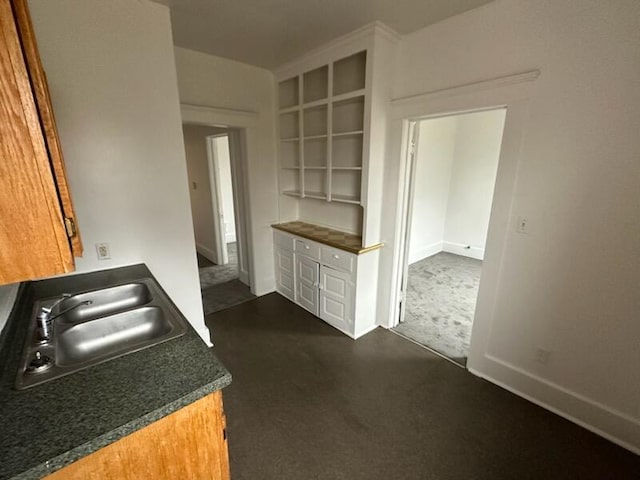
(95, 326)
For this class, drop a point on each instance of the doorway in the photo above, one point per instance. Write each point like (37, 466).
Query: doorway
(452, 174)
(218, 215)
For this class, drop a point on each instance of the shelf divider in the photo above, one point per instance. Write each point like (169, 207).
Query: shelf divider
(329, 178)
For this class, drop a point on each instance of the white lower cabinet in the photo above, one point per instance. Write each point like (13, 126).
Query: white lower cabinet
(335, 297)
(284, 273)
(333, 284)
(307, 271)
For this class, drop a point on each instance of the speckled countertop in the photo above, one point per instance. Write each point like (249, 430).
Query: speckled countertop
(334, 238)
(47, 427)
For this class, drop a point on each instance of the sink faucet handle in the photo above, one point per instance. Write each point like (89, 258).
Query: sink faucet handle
(72, 307)
(49, 309)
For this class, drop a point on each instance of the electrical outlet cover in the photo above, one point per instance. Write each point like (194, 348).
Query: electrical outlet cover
(102, 249)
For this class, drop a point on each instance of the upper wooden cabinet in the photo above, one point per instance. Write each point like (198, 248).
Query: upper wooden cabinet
(38, 229)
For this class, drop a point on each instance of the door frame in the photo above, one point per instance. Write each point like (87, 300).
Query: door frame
(413, 139)
(511, 92)
(239, 124)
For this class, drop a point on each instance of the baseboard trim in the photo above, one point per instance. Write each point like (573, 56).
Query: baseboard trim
(364, 331)
(464, 250)
(264, 286)
(424, 252)
(205, 252)
(600, 419)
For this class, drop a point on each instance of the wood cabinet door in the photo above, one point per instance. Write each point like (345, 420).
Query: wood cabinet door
(284, 273)
(188, 444)
(336, 294)
(47, 119)
(307, 283)
(33, 239)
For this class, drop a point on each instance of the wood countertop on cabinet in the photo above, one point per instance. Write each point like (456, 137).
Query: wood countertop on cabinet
(328, 236)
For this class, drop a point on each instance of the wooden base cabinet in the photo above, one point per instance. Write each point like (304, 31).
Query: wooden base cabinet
(190, 443)
(333, 284)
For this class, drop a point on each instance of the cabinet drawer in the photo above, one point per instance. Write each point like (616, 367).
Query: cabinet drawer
(307, 247)
(283, 240)
(337, 258)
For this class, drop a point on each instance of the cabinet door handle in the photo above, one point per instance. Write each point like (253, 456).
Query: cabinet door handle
(306, 246)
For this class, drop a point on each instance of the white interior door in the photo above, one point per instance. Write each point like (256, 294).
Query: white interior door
(307, 276)
(213, 153)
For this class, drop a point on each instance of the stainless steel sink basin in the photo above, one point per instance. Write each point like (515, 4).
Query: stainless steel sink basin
(110, 336)
(101, 325)
(100, 303)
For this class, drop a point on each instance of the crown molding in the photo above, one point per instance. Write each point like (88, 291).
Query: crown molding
(528, 76)
(362, 34)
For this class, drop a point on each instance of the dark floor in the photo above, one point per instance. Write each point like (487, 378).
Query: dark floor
(307, 402)
(204, 261)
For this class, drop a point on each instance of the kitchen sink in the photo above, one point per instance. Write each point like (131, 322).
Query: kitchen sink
(103, 302)
(111, 335)
(92, 327)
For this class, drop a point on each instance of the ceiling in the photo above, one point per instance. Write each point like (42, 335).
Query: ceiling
(269, 33)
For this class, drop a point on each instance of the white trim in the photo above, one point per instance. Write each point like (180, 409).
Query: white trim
(463, 250)
(316, 57)
(364, 331)
(241, 125)
(269, 281)
(605, 421)
(207, 110)
(423, 252)
(206, 252)
(529, 76)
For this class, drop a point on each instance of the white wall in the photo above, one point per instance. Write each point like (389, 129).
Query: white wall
(433, 163)
(212, 81)
(8, 295)
(226, 187)
(571, 284)
(473, 178)
(112, 77)
(195, 144)
(340, 216)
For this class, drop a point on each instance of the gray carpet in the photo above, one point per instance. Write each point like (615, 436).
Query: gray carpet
(440, 304)
(220, 285)
(217, 274)
(308, 403)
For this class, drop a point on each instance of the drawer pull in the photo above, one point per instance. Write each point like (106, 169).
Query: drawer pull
(306, 246)
(337, 257)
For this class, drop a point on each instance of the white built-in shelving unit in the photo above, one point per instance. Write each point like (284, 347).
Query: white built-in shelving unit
(322, 129)
(332, 114)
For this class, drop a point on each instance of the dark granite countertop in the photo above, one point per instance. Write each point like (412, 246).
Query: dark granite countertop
(47, 427)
